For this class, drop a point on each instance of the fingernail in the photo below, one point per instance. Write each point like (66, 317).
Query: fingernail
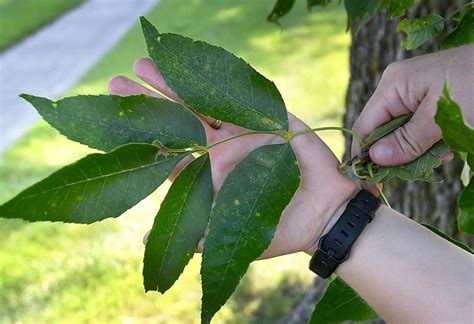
(382, 152)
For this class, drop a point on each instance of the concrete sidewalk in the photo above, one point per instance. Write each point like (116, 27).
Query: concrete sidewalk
(51, 61)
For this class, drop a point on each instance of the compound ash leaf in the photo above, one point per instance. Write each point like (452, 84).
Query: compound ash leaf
(341, 303)
(94, 188)
(178, 226)
(386, 128)
(420, 30)
(244, 219)
(420, 169)
(449, 238)
(456, 132)
(463, 34)
(106, 122)
(215, 82)
(281, 8)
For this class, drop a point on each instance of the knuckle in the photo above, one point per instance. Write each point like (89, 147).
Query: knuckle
(409, 145)
(395, 71)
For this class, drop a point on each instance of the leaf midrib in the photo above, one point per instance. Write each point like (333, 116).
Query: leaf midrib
(94, 179)
(183, 202)
(246, 224)
(242, 104)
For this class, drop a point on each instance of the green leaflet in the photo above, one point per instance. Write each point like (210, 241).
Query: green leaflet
(281, 8)
(244, 219)
(456, 132)
(420, 30)
(386, 128)
(397, 8)
(448, 238)
(360, 12)
(178, 226)
(106, 122)
(215, 82)
(420, 169)
(94, 188)
(341, 303)
(460, 137)
(464, 32)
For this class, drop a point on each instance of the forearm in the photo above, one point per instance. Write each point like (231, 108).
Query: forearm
(409, 274)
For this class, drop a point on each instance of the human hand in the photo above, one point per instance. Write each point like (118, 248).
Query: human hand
(323, 190)
(415, 85)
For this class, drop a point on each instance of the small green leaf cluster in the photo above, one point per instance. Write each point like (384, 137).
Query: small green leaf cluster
(144, 139)
(418, 31)
(460, 137)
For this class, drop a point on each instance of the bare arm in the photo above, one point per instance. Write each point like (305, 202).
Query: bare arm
(409, 274)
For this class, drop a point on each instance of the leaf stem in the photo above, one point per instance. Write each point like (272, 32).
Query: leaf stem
(452, 14)
(342, 129)
(278, 133)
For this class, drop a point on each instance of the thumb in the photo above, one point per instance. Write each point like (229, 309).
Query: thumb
(409, 141)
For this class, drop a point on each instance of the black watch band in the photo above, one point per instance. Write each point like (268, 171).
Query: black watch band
(334, 247)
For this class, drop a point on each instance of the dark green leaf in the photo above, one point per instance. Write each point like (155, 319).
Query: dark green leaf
(420, 169)
(397, 8)
(178, 226)
(448, 238)
(94, 188)
(420, 30)
(106, 122)
(341, 303)
(281, 8)
(215, 82)
(464, 32)
(312, 3)
(244, 219)
(456, 132)
(386, 128)
(466, 209)
(360, 12)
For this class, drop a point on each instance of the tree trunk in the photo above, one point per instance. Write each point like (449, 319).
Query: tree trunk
(372, 50)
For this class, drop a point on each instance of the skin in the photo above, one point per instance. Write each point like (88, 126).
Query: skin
(415, 85)
(420, 278)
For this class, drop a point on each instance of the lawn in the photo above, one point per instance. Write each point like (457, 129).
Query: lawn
(56, 273)
(20, 18)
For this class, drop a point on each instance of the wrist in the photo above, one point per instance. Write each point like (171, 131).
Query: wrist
(333, 211)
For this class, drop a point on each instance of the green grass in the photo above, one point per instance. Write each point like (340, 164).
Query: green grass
(56, 273)
(20, 18)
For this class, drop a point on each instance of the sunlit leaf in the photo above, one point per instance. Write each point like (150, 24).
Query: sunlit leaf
(244, 219)
(456, 132)
(341, 303)
(464, 32)
(94, 188)
(420, 30)
(178, 226)
(396, 8)
(215, 82)
(106, 122)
